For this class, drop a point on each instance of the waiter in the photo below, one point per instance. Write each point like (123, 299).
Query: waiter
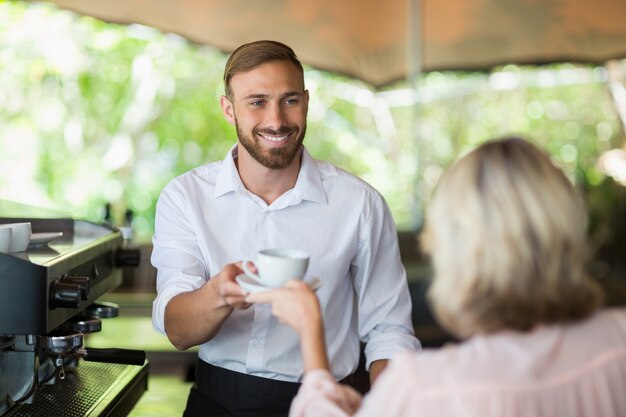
(269, 192)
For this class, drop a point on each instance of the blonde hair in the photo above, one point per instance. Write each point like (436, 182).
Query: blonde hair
(507, 234)
(251, 55)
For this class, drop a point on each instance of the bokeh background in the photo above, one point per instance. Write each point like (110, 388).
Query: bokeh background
(94, 113)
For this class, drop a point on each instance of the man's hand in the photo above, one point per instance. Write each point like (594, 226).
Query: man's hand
(226, 288)
(194, 317)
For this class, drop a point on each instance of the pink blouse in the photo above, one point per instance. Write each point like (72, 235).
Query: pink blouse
(569, 370)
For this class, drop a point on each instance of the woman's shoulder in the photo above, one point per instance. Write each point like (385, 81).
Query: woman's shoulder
(542, 353)
(605, 326)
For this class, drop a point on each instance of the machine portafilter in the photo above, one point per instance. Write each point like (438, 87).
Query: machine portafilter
(68, 344)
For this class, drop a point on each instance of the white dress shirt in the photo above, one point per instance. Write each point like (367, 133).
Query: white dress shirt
(207, 219)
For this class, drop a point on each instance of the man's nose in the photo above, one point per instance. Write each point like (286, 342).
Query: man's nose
(275, 117)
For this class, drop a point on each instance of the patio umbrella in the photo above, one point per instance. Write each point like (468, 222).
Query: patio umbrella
(384, 41)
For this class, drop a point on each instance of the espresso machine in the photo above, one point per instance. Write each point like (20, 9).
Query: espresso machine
(49, 299)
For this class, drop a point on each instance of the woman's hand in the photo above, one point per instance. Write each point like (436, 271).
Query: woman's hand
(297, 306)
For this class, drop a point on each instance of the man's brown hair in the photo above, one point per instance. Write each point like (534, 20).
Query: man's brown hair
(253, 54)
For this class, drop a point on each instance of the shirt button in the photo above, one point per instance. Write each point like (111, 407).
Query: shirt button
(256, 343)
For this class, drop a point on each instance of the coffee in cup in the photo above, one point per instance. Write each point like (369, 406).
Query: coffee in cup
(277, 266)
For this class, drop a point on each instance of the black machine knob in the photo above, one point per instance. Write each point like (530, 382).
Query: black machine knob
(64, 294)
(83, 324)
(102, 310)
(82, 282)
(127, 257)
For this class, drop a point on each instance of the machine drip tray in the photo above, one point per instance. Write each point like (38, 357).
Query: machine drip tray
(92, 389)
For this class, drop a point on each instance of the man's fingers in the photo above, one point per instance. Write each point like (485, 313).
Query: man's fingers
(260, 297)
(232, 270)
(251, 266)
(232, 288)
(239, 304)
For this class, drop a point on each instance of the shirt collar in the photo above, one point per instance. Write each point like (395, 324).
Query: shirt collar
(228, 179)
(308, 186)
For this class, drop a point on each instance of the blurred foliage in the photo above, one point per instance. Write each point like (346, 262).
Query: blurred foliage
(97, 113)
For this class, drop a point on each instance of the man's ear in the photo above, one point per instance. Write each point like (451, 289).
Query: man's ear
(228, 109)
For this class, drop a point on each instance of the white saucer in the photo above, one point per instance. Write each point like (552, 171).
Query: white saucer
(253, 286)
(40, 239)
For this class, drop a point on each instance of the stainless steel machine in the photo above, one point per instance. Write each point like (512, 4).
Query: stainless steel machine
(48, 301)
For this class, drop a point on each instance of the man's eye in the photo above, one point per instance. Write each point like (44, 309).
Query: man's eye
(257, 103)
(291, 101)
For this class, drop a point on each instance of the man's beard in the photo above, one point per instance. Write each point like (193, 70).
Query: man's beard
(273, 158)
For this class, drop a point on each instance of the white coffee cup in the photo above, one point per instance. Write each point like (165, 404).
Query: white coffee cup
(5, 239)
(277, 266)
(20, 236)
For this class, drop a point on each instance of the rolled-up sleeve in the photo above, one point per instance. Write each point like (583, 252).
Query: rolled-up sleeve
(175, 254)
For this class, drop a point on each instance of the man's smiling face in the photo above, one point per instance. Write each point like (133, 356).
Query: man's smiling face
(269, 106)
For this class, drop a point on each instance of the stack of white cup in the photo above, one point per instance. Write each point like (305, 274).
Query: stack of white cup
(14, 237)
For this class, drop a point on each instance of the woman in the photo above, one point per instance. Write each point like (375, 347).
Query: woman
(506, 232)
